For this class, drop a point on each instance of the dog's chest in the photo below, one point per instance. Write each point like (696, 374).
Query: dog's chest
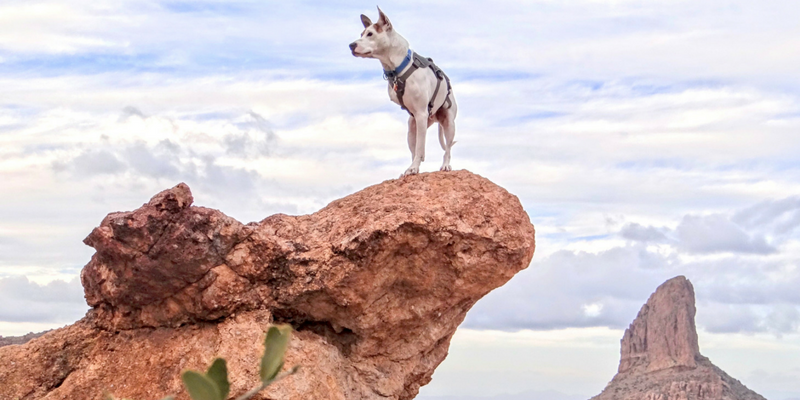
(393, 94)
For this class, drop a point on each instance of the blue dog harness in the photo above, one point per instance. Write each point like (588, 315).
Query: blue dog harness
(398, 81)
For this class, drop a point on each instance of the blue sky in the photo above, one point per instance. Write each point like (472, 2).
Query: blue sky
(645, 139)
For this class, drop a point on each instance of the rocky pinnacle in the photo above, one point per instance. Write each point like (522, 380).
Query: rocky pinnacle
(660, 358)
(663, 335)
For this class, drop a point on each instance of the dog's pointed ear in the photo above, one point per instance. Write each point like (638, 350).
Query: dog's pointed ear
(366, 21)
(383, 22)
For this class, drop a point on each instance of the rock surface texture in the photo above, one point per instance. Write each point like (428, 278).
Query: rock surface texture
(660, 358)
(375, 285)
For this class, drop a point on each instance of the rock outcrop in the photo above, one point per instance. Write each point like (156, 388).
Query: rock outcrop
(660, 358)
(375, 285)
(9, 340)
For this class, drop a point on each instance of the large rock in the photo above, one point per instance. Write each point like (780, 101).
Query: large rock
(660, 358)
(375, 285)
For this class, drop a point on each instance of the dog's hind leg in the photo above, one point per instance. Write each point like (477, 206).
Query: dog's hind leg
(447, 132)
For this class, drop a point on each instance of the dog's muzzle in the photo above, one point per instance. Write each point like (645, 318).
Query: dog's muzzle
(353, 46)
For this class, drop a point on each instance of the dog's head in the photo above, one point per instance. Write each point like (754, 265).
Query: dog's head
(375, 38)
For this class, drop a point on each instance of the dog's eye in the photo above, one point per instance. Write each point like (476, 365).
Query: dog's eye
(369, 33)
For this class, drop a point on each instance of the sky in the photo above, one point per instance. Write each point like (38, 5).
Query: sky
(645, 139)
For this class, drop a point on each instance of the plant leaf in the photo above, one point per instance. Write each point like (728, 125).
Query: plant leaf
(275, 345)
(200, 387)
(218, 372)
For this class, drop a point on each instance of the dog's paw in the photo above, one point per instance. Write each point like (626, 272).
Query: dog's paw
(412, 170)
(446, 168)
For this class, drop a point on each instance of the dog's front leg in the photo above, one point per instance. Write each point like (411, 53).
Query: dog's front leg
(419, 142)
(412, 136)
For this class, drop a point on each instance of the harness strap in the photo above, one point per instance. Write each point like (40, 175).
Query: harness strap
(449, 91)
(440, 75)
(435, 92)
(399, 82)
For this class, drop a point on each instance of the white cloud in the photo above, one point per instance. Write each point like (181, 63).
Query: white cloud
(554, 291)
(742, 284)
(639, 233)
(56, 302)
(527, 360)
(582, 361)
(780, 217)
(592, 310)
(717, 233)
(52, 27)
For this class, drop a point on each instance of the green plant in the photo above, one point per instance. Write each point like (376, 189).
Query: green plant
(214, 384)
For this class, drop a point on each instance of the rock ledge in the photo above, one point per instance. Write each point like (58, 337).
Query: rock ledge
(375, 285)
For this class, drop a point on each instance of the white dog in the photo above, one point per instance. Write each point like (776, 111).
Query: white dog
(415, 83)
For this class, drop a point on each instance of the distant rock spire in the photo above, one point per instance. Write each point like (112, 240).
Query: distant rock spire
(660, 358)
(663, 335)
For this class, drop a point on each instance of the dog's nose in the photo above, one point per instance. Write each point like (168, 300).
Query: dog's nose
(353, 46)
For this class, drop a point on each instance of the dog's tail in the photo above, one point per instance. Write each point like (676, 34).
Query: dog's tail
(441, 139)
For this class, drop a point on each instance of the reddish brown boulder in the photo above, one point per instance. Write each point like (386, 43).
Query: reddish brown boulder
(660, 358)
(375, 285)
